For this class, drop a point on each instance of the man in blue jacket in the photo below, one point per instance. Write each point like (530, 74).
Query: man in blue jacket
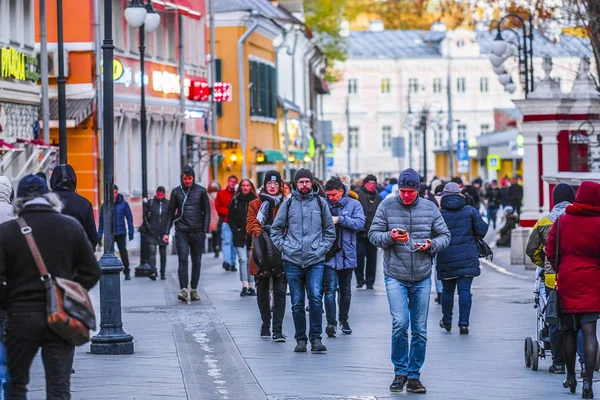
(122, 213)
(304, 231)
(340, 261)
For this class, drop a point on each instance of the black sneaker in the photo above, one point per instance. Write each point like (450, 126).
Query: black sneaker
(152, 276)
(464, 330)
(265, 332)
(316, 346)
(233, 269)
(300, 346)
(398, 384)
(557, 369)
(163, 278)
(330, 330)
(278, 337)
(244, 292)
(345, 327)
(360, 285)
(447, 327)
(370, 288)
(251, 292)
(226, 266)
(415, 386)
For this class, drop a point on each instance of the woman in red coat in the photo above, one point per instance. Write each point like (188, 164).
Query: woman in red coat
(578, 281)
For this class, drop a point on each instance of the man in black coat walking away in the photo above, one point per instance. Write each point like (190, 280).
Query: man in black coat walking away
(156, 221)
(189, 211)
(64, 183)
(370, 199)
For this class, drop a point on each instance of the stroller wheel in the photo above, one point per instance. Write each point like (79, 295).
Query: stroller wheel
(528, 351)
(535, 356)
(597, 365)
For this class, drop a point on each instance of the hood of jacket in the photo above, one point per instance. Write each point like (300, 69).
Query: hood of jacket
(453, 202)
(6, 189)
(119, 198)
(558, 210)
(63, 178)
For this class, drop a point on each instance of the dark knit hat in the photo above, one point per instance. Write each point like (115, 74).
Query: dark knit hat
(409, 179)
(272, 176)
(370, 178)
(450, 189)
(563, 192)
(303, 173)
(32, 186)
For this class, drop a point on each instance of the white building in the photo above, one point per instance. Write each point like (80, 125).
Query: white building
(390, 77)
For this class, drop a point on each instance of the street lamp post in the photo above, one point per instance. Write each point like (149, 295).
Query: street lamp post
(143, 16)
(500, 51)
(62, 82)
(112, 339)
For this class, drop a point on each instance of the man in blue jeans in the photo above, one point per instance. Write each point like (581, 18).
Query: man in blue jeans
(304, 231)
(410, 230)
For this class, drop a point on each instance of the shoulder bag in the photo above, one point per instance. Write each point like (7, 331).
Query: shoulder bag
(483, 249)
(552, 305)
(69, 308)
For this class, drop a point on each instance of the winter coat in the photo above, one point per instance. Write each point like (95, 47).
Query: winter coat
(460, 258)
(351, 219)
(122, 213)
(222, 202)
(6, 209)
(506, 231)
(369, 202)
(254, 228)
(64, 246)
(515, 195)
(579, 267)
(536, 246)
(474, 193)
(421, 220)
(237, 217)
(157, 219)
(64, 183)
(494, 198)
(387, 191)
(303, 230)
(189, 209)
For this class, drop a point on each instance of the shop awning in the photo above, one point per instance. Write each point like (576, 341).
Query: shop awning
(183, 7)
(273, 156)
(298, 155)
(77, 111)
(5, 146)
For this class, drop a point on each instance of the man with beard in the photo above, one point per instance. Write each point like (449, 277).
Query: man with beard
(189, 212)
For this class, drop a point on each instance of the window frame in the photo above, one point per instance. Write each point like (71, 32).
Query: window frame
(413, 85)
(386, 137)
(353, 86)
(461, 85)
(386, 85)
(353, 137)
(486, 130)
(484, 84)
(437, 85)
(462, 130)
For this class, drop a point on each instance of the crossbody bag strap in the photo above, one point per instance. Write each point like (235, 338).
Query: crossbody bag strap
(557, 243)
(35, 252)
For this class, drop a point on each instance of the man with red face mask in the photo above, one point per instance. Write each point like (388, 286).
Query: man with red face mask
(156, 220)
(189, 211)
(410, 230)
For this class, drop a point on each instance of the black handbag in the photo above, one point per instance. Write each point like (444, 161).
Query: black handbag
(552, 300)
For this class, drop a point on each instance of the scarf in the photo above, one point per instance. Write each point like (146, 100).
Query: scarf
(268, 203)
(583, 210)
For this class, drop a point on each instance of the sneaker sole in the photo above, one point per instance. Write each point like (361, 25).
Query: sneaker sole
(183, 300)
(279, 340)
(347, 332)
(416, 390)
(299, 351)
(397, 390)
(318, 351)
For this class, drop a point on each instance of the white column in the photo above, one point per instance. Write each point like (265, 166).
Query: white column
(531, 175)
(550, 152)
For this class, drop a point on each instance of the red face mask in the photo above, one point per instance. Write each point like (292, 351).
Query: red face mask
(160, 195)
(408, 196)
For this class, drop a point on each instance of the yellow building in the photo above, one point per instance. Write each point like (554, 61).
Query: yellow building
(257, 116)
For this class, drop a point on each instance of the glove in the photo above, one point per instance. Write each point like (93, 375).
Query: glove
(130, 237)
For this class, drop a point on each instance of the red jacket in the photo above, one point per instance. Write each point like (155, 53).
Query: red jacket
(578, 280)
(222, 203)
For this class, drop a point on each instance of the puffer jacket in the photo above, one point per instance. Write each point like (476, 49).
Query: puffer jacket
(6, 209)
(303, 230)
(254, 228)
(369, 201)
(460, 258)
(122, 213)
(238, 218)
(351, 220)
(422, 220)
(157, 219)
(189, 209)
(537, 240)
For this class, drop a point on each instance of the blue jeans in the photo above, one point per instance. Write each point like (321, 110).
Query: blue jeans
(243, 253)
(465, 299)
(301, 280)
(492, 213)
(227, 244)
(409, 302)
(332, 280)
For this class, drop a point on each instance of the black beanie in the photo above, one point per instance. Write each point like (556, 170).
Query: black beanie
(370, 178)
(32, 186)
(409, 179)
(563, 192)
(272, 176)
(303, 173)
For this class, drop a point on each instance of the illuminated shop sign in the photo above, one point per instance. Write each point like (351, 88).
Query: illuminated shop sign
(166, 82)
(19, 66)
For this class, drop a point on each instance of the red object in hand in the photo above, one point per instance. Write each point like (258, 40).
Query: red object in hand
(400, 237)
(423, 246)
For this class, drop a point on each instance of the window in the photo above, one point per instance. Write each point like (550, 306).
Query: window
(15, 31)
(484, 85)
(28, 23)
(352, 86)
(386, 85)
(159, 34)
(118, 21)
(485, 128)
(263, 90)
(460, 44)
(353, 140)
(171, 30)
(133, 35)
(437, 85)
(17, 23)
(462, 132)
(195, 40)
(413, 85)
(199, 41)
(461, 85)
(386, 137)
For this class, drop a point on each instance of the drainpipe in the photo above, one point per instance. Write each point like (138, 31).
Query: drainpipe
(285, 113)
(292, 52)
(242, 88)
(44, 69)
(306, 92)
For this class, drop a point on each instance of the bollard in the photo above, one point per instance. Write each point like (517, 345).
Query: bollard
(518, 244)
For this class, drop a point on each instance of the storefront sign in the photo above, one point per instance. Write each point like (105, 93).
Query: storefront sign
(493, 162)
(118, 69)
(166, 82)
(19, 66)
(194, 114)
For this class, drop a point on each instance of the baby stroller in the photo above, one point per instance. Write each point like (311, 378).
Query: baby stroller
(536, 349)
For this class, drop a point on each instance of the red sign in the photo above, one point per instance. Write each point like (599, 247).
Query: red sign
(199, 90)
(222, 92)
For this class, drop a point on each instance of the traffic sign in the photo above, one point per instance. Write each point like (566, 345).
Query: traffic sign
(330, 161)
(462, 150)
(329, 148)
(493, 162)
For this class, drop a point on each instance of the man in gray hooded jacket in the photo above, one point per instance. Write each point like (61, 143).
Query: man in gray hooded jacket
(304, 231)
(410, 230)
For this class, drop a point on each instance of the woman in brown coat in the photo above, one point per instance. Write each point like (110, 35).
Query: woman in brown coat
(261, 214)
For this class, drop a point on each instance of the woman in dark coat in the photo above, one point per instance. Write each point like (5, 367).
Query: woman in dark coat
(578, 272)
(237, 218)
(458, 263)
